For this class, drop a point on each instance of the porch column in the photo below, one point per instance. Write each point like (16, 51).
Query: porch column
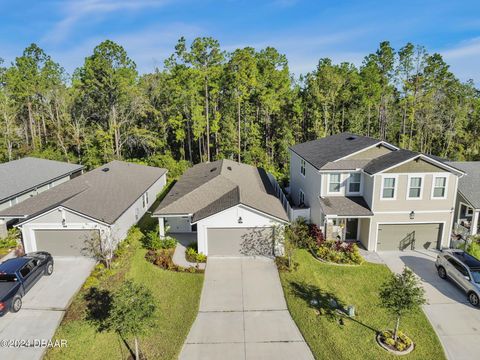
(161, 227)
(473, 227)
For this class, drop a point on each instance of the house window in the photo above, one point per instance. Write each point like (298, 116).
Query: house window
(145, 200)
(301, 197)
(415, 188)
(388, 191)
(334, 183)
(439, 187)
(354, 182)
(302, 167)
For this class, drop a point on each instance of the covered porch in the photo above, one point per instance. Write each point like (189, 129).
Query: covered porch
(466, 222)
(346, 218)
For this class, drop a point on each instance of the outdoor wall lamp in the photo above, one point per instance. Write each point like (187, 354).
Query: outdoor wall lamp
(412, 215)
(64, 224)
(240, 220)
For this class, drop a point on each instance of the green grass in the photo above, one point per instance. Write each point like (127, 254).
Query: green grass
(349, 285)
(177, 298)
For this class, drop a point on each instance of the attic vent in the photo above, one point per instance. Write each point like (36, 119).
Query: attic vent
(229, 168)
(213, 169)
(105, 169)
(351, 138)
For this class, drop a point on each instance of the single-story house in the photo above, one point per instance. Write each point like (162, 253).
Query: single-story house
(467, 207)
(104, 202)
(231, 207)
(24, 178)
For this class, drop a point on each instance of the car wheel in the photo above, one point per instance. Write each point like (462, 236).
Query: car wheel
(473, 298)
(16, 304)
(441, 272)
(49, 269)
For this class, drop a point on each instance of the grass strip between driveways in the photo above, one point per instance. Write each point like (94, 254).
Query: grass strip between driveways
(177, 299)
(350, 285)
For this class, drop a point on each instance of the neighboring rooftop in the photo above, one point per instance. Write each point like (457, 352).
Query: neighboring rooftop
(331, 148)
(469, 184)
(208, 188)
(23, 175)
(345, 206)
(104, 193)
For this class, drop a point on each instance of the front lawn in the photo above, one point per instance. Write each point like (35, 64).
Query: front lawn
(333, 337)
(176, 295)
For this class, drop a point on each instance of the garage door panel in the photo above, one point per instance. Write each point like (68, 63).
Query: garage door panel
(240, 241)
(64, 242)
(408, 236)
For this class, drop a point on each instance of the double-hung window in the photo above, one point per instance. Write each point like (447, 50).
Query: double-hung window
(301, 197)
(302, 167)
(415, 187)
(439, 190)
(389, 187)
(334, 183)
(354, 183)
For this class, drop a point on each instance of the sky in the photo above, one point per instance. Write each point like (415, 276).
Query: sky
(304, 31)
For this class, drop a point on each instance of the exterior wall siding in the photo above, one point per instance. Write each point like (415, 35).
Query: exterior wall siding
(416, 166)
(178, 224)
(229, 218)
(369, 154)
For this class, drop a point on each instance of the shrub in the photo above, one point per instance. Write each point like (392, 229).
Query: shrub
(163, 259)
(11, 240)
(316, 234)
(283, 263)
(192, 255)
(402, 343)
(298, 234)
(153, 241)
(339, 252)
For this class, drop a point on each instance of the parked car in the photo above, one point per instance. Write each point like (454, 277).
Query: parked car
(17, 277)
(463, 269)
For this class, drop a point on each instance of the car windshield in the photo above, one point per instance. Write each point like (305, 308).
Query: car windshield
(476, 275)
(7, 277)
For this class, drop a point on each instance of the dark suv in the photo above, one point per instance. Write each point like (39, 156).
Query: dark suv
(463, 269)
(17, 277)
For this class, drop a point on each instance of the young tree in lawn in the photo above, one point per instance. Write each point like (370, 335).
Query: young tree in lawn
(101, 247)
(401, 294)
(132, 311)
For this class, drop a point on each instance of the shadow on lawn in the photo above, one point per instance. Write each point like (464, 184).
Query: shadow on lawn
(326, 303)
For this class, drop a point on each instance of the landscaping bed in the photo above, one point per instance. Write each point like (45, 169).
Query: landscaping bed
(317, 295)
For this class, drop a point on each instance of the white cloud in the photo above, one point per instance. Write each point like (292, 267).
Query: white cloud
(463, 59)
(75, 11)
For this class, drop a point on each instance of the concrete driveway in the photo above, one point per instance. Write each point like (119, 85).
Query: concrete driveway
(456, 322)
(43, 308)
(243, 315)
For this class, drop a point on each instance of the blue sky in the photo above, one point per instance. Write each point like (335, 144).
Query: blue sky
(304, 30)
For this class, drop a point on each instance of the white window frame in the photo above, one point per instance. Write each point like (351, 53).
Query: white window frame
(301, 197)
(422, 185)
(339, 183)
(360, 188)
(303, 164)
(395, 188)
(433, 187)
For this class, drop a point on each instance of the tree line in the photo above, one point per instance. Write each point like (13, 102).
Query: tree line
(205, 104)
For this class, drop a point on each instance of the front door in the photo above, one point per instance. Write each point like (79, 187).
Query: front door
(351, 229)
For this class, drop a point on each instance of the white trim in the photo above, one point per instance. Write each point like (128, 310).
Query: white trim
(347, 190)
(395, 189)
(445, 194)
(416, 212)
(248, 208)
(348, 216)
(422, 185)
(409, 223)
(62, 208)
(381, 142)
(339, 184)
(172, 215)
(427, 159)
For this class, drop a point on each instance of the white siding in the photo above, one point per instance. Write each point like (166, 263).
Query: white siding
(180, 224)
(229, 218)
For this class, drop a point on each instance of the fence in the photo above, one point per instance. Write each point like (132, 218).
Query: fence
(293, 213)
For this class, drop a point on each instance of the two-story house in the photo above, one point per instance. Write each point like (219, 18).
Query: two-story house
(360, 188)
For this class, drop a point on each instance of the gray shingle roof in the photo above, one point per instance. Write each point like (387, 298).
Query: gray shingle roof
(23, 175)
(322, 151)
(102, 195)
(469, 184)
(345, 206)
(207, 188)
(388, 160)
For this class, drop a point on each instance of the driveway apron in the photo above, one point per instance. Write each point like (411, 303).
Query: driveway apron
(455, 321)
(243, 315)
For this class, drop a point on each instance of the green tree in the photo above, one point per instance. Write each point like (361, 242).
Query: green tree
(131, 312)
(401, 294)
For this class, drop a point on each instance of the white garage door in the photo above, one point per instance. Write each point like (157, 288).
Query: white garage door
(240, 241)
(409, 236)
(63, 242)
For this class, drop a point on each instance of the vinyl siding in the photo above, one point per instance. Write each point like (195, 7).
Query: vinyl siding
(369, 154)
